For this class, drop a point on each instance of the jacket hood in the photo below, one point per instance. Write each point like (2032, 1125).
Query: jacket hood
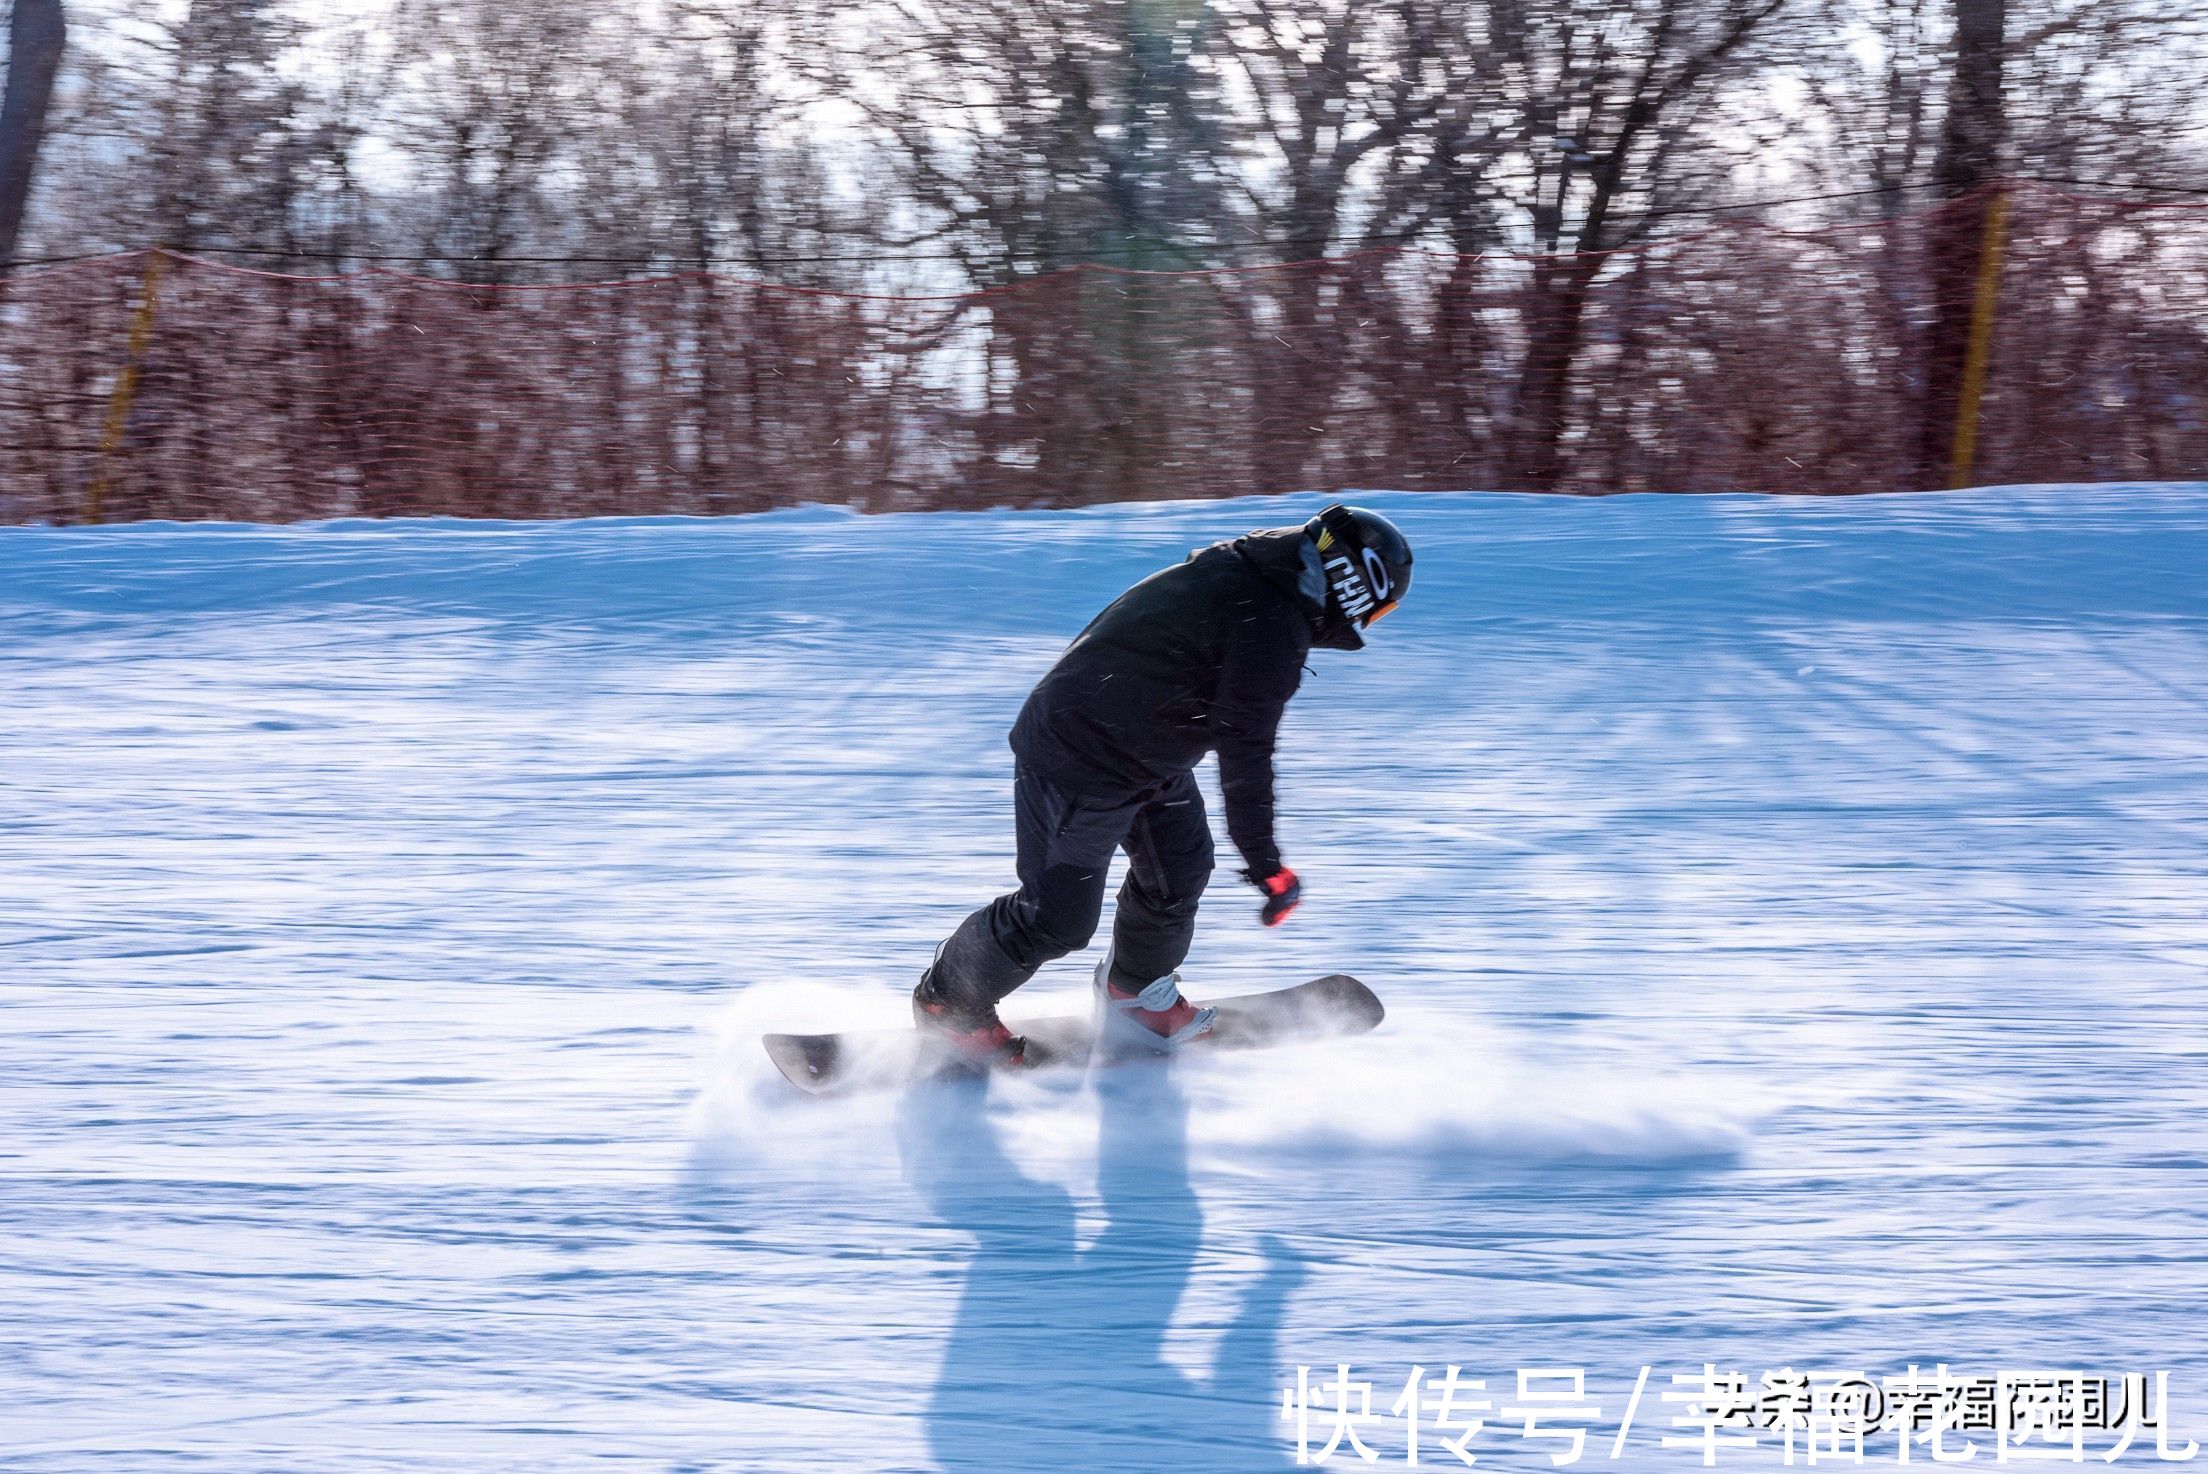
(1290, 562)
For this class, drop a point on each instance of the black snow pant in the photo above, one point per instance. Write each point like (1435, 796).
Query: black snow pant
(1066, 843)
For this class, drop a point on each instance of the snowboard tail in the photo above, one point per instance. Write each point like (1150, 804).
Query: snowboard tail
(841, 1064)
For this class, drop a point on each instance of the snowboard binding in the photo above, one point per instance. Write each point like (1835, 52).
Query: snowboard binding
(1154, 1017)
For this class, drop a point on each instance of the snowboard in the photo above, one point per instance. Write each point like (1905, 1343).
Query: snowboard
(882, 1059)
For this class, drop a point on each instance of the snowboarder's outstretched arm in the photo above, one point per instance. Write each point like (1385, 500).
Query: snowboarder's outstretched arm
(1262, 666)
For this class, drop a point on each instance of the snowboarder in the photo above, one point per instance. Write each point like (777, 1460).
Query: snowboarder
(1199, 657)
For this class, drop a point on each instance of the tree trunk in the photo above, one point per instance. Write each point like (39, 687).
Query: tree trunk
(1556, 313)
(1964, 171)
(36, 33)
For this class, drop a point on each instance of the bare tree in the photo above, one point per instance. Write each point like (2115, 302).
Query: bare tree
(1033, 138)
(229, 165)
(37, 34)
(501, 98)
(1604, 111)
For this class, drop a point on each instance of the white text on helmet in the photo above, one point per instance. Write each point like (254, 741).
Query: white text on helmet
(1351, 591)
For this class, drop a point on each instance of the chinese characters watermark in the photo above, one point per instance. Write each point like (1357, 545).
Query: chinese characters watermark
(1816, 1416)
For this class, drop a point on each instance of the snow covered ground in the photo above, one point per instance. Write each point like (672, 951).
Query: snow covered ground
(1791, 915)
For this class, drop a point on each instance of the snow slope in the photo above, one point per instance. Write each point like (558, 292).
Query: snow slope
(1791, 916)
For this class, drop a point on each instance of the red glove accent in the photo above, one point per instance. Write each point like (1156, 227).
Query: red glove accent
(1283, 893)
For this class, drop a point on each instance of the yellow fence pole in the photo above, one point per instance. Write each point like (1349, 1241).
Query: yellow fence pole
(1975, 357)
(126, 388)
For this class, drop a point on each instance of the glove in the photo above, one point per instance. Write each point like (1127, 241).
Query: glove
(1282, 893)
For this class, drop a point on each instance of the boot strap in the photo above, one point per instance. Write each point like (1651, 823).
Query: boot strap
(1157, 996)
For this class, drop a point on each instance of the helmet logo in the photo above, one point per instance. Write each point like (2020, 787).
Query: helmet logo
(1376, 576)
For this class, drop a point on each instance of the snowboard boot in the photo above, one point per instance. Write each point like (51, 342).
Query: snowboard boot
(977, 1036)
(1152, 1017)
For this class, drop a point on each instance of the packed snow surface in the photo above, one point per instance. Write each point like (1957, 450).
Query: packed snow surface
(1791, 916)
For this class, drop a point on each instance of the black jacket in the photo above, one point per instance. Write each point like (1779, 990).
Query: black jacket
(1196, 658)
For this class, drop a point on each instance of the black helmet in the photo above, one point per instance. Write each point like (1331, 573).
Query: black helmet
(1367, 562)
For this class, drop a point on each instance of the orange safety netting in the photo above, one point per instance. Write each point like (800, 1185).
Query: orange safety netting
(1743, 357)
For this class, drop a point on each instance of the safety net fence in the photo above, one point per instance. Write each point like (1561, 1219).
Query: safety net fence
(2019, 334)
